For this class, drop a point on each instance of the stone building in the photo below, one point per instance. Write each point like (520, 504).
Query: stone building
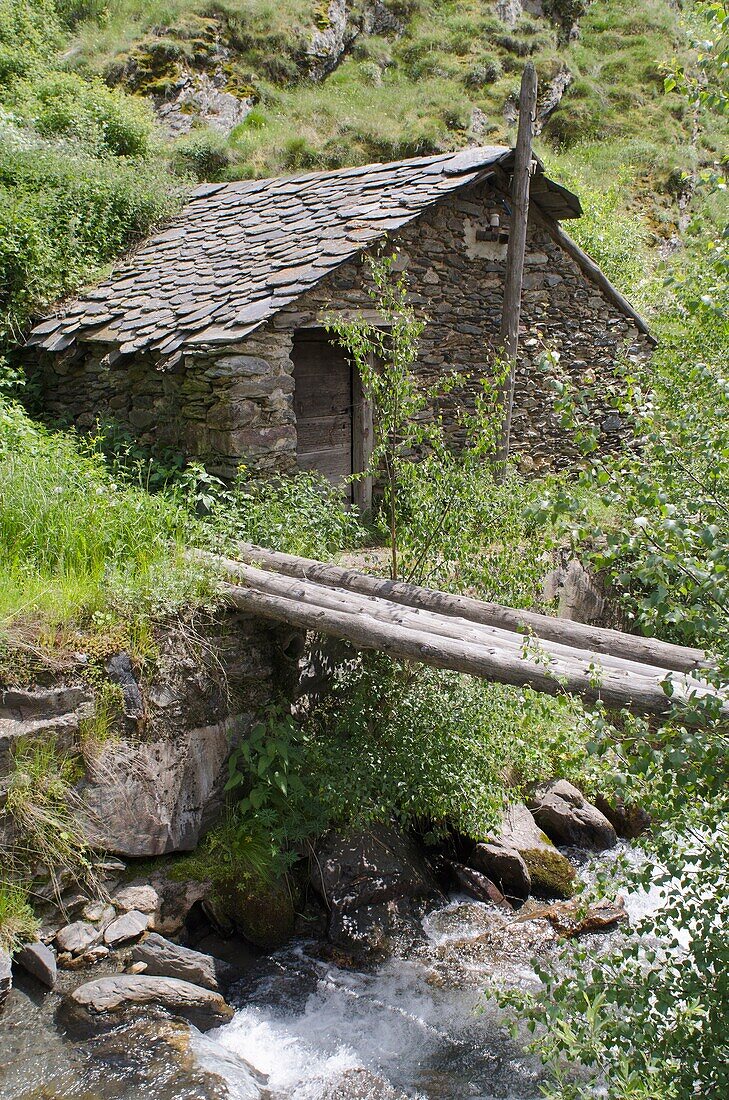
(209, 337)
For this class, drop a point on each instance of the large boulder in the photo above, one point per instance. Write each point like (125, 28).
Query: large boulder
(551, 873)
(375, 884)
(565, 815)
(147, 798)
(164, 959)
(202, 1007)
(505, 867)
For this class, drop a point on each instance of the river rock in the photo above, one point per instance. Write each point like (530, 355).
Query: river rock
(77, 937)
(566, 816)
(202, 1007)
(99, 913)
(375, 884)
(6, 976)
(357, 1084)
(129, 926)
(573, 918)
(551, 873)
(39, 961)
(477, 885)
(165, 959)
(627, 818)
(505, 867)
(140, 896)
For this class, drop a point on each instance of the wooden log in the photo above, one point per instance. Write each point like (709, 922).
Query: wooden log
(492, 663)
(446, 626)
(650, 651)
(513, 279)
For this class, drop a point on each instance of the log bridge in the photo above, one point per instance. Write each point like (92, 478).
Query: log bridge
(488, 640)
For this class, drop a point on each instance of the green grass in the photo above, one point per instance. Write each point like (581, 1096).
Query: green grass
(17, 922)
(74, 542)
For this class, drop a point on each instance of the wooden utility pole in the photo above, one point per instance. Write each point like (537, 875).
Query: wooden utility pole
(511, 309)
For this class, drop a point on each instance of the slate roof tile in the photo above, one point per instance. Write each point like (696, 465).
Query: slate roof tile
(239, 252)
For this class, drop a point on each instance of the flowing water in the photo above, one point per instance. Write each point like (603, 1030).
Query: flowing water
(420, 1026)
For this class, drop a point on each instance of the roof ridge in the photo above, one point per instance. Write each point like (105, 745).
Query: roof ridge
(351, 171)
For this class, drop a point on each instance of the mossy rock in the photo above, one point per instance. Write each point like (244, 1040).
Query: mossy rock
(551, 873)
(263, 913)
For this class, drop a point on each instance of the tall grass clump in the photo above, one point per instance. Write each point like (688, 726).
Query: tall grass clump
(17, 922)
(46, 812)
(72, 539)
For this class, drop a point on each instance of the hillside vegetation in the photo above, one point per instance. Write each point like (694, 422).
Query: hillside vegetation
(86, 169)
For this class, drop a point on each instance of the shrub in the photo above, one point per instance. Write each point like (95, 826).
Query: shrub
(302, 514)
(434, 749)
(29, 34)
(102, 119)
(203, 155)
(63, 214)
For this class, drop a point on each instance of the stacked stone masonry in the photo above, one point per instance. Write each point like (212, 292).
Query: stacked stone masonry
(233, 405)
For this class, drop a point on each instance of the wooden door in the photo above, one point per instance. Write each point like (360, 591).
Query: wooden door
(323, 400)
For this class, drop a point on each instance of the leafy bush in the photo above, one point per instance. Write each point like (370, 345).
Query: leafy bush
(63, 213)
(29, 34)
(434, 749)
(101, 119)
(302, 514)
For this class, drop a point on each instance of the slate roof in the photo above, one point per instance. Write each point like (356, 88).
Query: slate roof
(239, 252)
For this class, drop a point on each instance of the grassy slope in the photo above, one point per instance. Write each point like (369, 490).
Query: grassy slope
(84, 172)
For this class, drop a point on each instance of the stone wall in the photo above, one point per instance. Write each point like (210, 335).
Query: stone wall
(233, 405)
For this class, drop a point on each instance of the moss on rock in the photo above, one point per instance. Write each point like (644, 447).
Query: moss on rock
(551, 873)
(263, 913)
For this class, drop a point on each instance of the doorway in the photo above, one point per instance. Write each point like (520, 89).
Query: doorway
(333, 419)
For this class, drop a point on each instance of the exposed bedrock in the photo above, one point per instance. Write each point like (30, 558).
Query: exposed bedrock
(157, 785)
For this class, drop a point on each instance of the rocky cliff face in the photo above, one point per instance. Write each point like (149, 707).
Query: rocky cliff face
(154, 784)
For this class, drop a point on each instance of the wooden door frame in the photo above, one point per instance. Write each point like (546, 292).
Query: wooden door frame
(362, 444)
